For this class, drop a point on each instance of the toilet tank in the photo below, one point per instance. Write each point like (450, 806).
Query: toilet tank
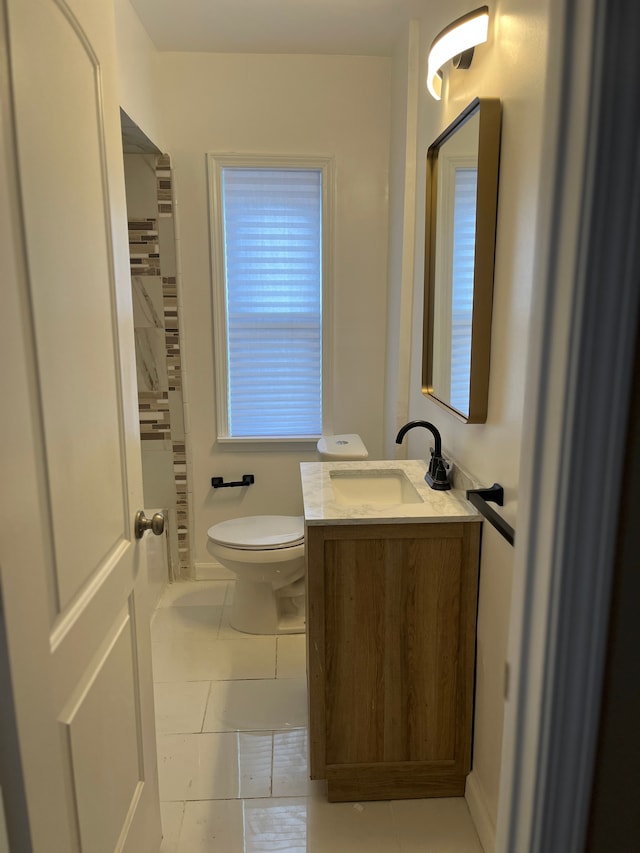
(342, 447)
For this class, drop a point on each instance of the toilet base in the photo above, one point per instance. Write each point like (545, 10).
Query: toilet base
(259, 609)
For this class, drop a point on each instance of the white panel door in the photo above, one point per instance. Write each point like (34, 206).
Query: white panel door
(72, 574)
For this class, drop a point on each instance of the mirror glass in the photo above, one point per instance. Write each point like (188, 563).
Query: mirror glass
(462, 175)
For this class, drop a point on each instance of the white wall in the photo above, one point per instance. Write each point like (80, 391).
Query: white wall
(405, 95)
(304, 105)
(512, 67)
(137, 75)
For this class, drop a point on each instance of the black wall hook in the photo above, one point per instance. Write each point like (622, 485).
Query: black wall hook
(219, 483)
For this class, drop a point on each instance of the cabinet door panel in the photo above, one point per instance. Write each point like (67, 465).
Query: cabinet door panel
(429, 638)
(354, 620)
(391, 654)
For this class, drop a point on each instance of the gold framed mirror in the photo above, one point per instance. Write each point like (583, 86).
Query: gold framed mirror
(460, 232)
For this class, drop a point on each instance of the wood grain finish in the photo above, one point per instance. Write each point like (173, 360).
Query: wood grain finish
(399, 781)
(391, 640)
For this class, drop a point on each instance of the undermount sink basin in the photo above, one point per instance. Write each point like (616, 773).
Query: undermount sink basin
(373, 486)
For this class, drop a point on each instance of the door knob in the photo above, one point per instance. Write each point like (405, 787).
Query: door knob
(142, 523)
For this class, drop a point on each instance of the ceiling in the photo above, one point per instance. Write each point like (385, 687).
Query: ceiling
(352, 27)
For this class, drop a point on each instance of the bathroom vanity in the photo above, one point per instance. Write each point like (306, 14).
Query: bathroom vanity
(392, 581)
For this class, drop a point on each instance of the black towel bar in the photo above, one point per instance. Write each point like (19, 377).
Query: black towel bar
(495, 493)
(219, 483)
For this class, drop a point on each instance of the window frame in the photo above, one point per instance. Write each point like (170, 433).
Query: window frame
(216, 163)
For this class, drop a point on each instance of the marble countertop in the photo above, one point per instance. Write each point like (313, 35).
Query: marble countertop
(321, 506)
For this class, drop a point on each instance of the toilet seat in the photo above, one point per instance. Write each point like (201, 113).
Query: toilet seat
(259, 532)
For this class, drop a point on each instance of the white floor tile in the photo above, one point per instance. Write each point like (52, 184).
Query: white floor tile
(194, 593)
(174, 623)
(212, 825)
(214, 766)
(245, 753)
(171, 815)
(275, 825)
(259, 705)
(180, 706)
(311, 825)
(435, 826)
(168, 846)
(195, 658)
(291, 766)
(351, 827)
(291, 656)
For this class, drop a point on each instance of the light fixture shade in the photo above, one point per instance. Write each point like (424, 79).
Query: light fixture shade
(461, 35)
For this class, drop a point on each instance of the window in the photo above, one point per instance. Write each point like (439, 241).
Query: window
(464, 240)
(270, 228)
(453, 300)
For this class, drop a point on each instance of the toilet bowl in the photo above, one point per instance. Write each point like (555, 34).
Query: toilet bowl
(266, 554)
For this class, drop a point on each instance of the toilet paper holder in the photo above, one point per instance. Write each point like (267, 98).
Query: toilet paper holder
(219, 483)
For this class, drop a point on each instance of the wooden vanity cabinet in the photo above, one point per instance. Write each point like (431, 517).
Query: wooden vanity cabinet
(391, 626)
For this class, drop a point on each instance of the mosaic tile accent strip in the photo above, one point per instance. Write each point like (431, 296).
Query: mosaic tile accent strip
(182, 504)
(164, 185)
(144, 250)
(172, 333)
(155, 419)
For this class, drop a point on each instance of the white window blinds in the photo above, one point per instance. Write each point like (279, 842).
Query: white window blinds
(272, 236)
(464, 238)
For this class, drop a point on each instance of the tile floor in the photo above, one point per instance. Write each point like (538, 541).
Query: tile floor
(231, 719)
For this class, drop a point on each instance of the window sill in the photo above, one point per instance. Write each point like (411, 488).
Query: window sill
(257, 443)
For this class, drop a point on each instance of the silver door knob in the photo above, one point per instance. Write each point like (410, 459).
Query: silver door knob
(155, 524)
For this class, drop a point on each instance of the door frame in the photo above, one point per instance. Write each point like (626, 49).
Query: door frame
(584, 329)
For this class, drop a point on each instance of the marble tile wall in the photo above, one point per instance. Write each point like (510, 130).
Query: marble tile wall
(158, 360)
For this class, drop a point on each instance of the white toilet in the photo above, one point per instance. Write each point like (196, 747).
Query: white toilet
(266, 554)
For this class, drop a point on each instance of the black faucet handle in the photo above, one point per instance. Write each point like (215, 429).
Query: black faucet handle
(437, 476)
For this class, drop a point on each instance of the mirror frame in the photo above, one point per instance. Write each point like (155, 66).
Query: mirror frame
(489, 111)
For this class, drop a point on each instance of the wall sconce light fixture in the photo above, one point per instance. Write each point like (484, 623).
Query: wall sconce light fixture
(456, 42)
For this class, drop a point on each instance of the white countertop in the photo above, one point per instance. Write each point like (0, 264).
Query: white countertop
(321, 507)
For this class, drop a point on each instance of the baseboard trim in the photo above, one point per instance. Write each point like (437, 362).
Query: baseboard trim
(480, 815)
(212, 571)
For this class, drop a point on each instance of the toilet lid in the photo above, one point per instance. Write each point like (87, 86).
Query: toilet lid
(259, 532)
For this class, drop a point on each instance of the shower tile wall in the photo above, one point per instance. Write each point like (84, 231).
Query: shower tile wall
(152, 248)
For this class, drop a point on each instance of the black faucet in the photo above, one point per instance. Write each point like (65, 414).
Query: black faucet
(436, 475)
